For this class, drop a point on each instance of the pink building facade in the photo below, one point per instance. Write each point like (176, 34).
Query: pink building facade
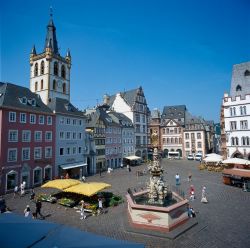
(27, 138)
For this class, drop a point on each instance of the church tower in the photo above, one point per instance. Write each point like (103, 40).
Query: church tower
(49, 71)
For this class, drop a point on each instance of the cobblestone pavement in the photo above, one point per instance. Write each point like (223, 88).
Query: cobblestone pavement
(223, 222)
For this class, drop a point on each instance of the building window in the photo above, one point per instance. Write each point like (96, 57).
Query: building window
(74, 122)
(232, 111)
(137, 117)
(11, 180)
(192, 135)
(48, 152)
(68, 135)
(36, 70)
(247, 73)
(68, 121)
(180, 140)
(42, 67)
(234, 141)
(199, 144)
(68, 150)
(26, 136)
(48, 136)
(61, 151)
(63, 73)
(243, 125)
(49, 120)
(54, 84)
(23, 117)
(13, 136)
(62, 120)
(61, 135)
(25, 154)
(233, 125)
(143, 119)
(56, 68)
(37, 176)
(32, 119)
(38, 135)
(37, 153)
(74, 150)
(238, 88)
(80, 122)
(80, 150)
(12, 116)
(176, 140)
(41, 84)
(187, 145)
(186, 135)
(74, 135)
(243, 110)
(36, 86)
(79, 136)
(41, 119)
(198, 135)
(12, 154)
(64, 88)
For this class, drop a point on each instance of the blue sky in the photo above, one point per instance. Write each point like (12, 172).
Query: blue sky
(180, 52)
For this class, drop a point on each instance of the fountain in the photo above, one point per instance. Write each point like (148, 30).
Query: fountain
(156, 208)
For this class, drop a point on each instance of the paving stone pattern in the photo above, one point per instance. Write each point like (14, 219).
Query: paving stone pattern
(223, 222)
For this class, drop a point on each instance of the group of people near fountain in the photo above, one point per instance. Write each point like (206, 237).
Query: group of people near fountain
(203, 194)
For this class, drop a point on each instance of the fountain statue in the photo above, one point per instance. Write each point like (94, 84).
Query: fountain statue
(157, 191)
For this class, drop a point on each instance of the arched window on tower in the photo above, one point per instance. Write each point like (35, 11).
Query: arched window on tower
(42, 67)
(64, 88)
(36, 70)
(36, 86)
(232, 141)
(56, 68)
(54, 84)
(238, 88)
(247, 73)
(247, 141)
(243, 141)
(236, 141)
(63, 72)
(41, 84)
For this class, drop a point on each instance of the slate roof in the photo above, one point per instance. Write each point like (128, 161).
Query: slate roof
(121, 119)
(51, 40)
(155, 113)
(128, 96)
(63, 106)
(12, 94)
(174, 112)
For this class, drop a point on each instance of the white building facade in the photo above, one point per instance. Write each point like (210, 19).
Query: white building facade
(236, 114)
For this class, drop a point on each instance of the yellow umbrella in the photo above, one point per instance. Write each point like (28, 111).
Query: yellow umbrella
(61, 183)
(87, 189)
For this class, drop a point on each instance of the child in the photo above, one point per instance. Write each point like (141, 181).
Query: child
(191, 193)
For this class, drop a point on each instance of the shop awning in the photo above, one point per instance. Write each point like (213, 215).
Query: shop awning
(133, 158)
(70, 166)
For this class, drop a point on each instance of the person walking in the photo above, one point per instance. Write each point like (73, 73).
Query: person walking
(191, 193)
(22, 191)
(38, 209)
(32, 195)
(15, 191)
(27, 211)
(177, 179)
(82, 211)
(203, 195)
(100, 205)
(189, 177)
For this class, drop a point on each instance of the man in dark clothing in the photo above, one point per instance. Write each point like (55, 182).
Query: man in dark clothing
(38, 208)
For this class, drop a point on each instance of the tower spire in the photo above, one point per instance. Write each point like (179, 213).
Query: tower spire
(51, 35)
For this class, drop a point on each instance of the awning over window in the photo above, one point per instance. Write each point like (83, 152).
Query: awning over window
(70, 166)
(133, 158)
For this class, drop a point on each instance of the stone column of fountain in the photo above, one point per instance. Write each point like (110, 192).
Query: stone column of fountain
(157, 190)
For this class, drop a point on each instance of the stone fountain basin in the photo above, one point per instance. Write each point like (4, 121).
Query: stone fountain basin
(163, 219)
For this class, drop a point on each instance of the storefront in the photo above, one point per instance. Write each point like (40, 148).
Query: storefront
(237, 177)
(75, 170)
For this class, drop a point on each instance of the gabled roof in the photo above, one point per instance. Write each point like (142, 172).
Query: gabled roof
(63, 106)
(128, 96)
(174, 112)
(14, 97)
(121, 119)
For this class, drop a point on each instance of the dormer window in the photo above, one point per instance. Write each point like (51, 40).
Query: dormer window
(238, 88)
(32, 102)
(247, 73)
(23, 100)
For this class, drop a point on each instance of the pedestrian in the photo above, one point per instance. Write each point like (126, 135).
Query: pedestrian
(177, 179)
(191, 193)
(27, 211)
(193, 214)
(82, 211)
(38, 208)
(189, 177)
(100, 205)
(128, 168)
(15, 191)
(22, 190)
(32, 195)
(203, 195)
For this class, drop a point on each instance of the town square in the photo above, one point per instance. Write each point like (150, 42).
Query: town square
(124, 124)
